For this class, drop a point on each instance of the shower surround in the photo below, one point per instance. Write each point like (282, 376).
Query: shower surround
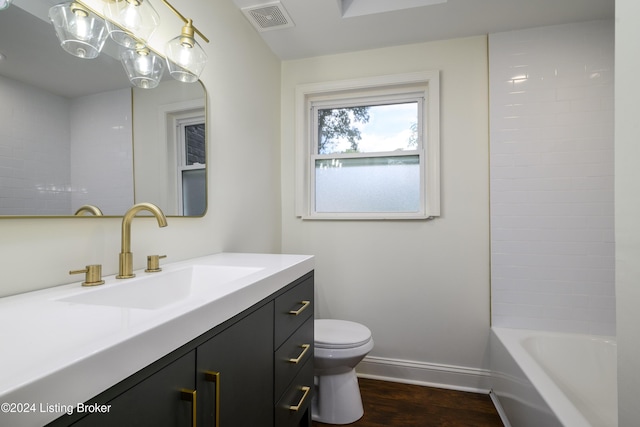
(552, 177)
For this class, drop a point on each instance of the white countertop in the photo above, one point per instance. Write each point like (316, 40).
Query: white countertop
(61, 353)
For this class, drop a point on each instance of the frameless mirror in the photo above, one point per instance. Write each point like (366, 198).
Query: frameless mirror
(74, 132)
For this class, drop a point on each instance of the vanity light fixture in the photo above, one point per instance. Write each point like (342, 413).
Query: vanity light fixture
(185, 57)
(5, 4)
(130, 23)
(143, 67)
(80, 32)
(128, 20)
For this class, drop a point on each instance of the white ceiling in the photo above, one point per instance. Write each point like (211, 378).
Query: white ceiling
(320, 28)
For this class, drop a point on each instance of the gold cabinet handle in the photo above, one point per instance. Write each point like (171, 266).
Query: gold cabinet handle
(214, 377)
(190, 396)
(305, 304)
(305, 389)
(305, 348)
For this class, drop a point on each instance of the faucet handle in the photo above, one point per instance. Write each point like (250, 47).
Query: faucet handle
(93, 275)
(153, 263)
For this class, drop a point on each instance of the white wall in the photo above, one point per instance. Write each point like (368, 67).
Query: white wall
(244, 202)
(422, 287)
(627, 205)
(552, 216)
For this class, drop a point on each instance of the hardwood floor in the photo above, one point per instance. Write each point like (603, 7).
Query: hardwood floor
(394, 404)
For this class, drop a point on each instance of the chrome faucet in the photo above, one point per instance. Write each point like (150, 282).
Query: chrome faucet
(125, 270)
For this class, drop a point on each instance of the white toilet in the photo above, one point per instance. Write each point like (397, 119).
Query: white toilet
(339, 346)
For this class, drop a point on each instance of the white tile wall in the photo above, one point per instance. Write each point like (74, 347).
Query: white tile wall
(34, 151)
(101, 151)
(552, 237)
(42, 135)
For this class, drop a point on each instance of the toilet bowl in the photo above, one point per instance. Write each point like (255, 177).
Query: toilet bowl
(339, 345)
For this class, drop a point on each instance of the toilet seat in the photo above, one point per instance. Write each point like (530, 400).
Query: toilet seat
(337, 334)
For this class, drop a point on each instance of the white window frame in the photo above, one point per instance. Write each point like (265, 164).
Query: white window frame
(181, 123)
(422, 85)
(169, 115)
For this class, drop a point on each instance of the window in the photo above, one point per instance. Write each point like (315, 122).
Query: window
(369, 149)
(191, 166)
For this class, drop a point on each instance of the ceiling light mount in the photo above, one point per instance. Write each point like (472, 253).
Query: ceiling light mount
(188, 22)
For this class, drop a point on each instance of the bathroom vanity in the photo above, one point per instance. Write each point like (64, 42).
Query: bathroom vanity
(234, 353)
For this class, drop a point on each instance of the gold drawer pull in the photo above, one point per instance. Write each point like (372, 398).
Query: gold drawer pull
(214, 377)
(190, 396)
(305, 348)
(305, 304)
(305, 389)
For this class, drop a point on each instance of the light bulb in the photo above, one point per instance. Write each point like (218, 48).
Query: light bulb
(143, 67)
(185, 56)
(82, 28)
(136, 17)
(142, 64)
(130, 17)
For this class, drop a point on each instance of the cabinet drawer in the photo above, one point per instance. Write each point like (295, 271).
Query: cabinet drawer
(296, 400)
(293, 308)
(292, 355)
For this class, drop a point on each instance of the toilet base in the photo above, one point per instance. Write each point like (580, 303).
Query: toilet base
(337, 399)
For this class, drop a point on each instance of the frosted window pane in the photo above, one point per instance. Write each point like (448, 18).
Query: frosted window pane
(378, 184)
(194, 200)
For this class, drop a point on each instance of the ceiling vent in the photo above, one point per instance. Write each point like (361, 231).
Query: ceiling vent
(265, 17)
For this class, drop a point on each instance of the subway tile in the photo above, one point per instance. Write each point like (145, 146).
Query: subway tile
(551, 177)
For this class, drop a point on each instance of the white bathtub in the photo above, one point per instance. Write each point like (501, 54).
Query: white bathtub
(553, 379)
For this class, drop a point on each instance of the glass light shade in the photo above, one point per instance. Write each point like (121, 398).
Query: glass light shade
(5, 4)
(144, 68)
(132, 18)
(80, 32)
(185, 59)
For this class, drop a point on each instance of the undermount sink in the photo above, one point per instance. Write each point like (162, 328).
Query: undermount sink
(161, 289)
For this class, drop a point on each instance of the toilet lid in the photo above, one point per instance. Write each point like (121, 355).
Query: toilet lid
(330, 333)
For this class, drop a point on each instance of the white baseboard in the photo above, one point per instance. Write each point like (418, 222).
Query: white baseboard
(428, 374)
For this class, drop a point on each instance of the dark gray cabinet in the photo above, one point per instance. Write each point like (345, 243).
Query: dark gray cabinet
(254, 370)
(235, 374)
(163, 399)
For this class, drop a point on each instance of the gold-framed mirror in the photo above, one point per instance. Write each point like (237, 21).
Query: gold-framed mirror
(74, 132)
